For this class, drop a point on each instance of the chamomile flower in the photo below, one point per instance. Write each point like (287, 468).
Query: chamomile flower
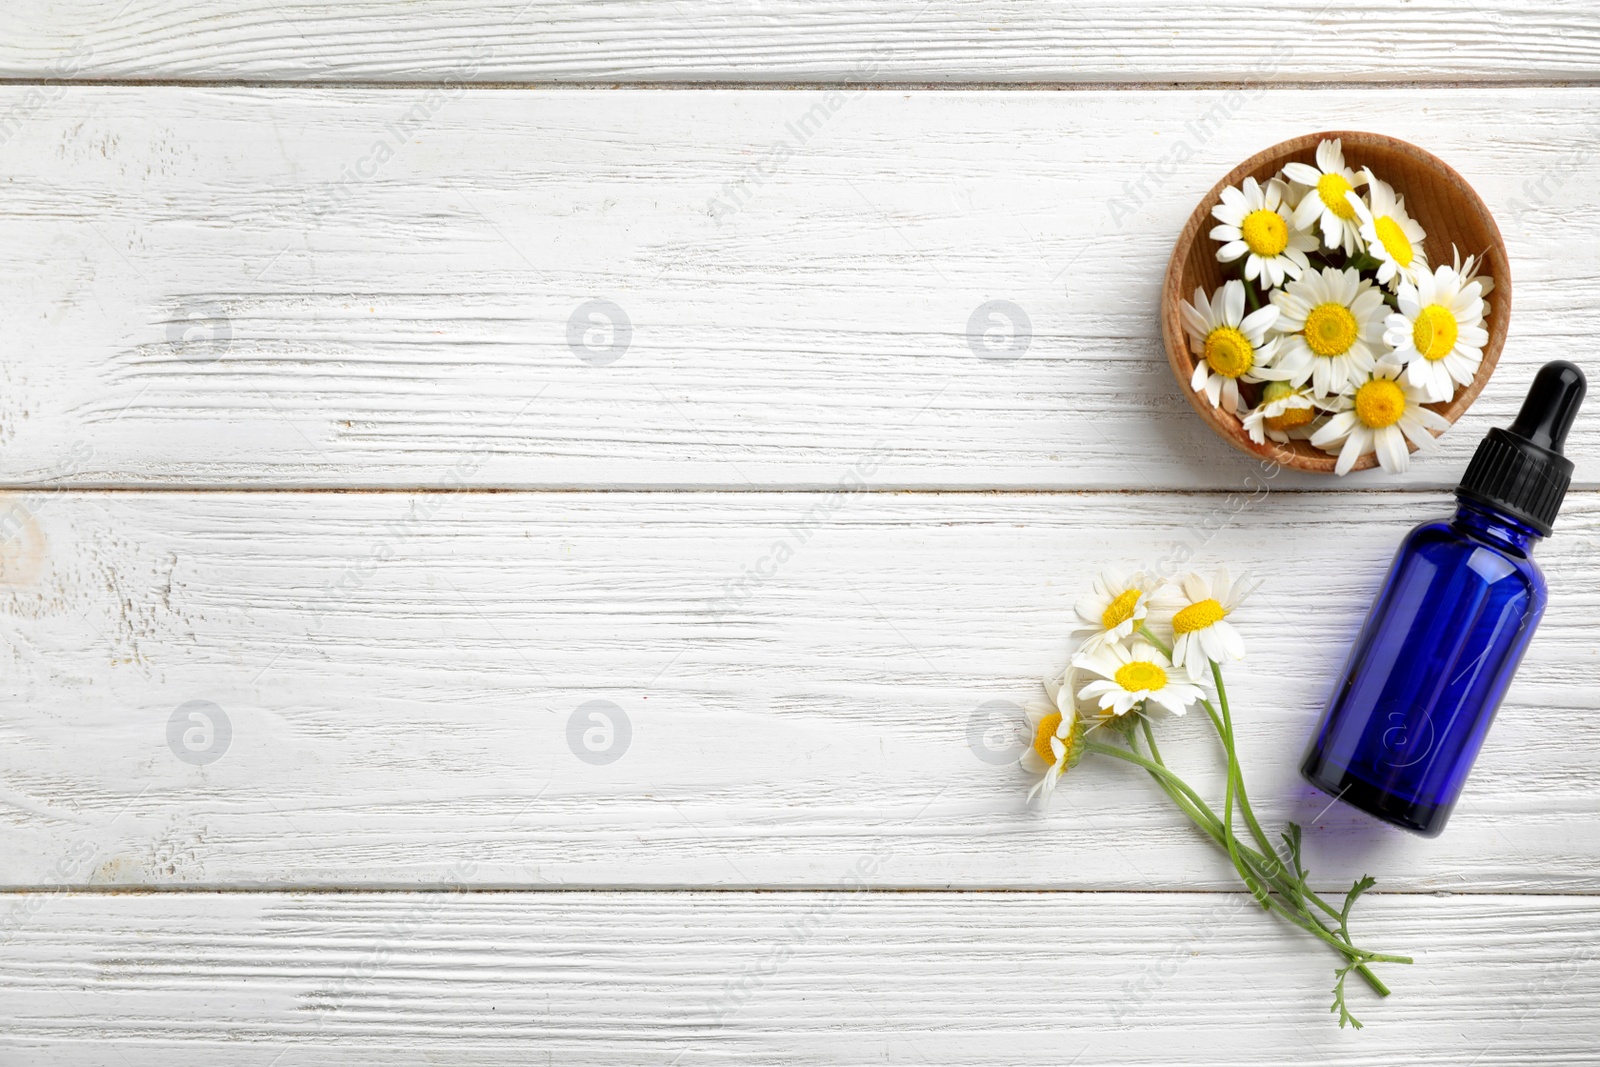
(1332, 322)
(1115, 607)
(1438, 332)
(1063, 692)
(1229, 345)
(1324, 205)
(1131, 674)
(1383, 415)
(1468, 269)
(1056, 748)
(1255, 224)
(1285, 413)
(1393, 238)
(1201, 633)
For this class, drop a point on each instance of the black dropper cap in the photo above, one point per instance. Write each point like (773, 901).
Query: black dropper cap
(1520, 469)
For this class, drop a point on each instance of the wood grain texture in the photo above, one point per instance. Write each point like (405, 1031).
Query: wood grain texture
(289, 287)
(806, 679)
(174, 980)
(792, 40)
(366, 287)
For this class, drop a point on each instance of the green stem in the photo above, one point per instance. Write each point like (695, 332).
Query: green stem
(1159, 771)
(1250, 295)
(1201, 815)
(1199, 812)
(1266, 865)
(1292, 888)
(1187, 799)
(1150, 738)
(1154, 640)
(1232, 841)
(1233, 765)
(1224, 727)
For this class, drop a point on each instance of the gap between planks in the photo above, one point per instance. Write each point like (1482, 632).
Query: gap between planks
(807, 86)
(314, 889)
(681, 490)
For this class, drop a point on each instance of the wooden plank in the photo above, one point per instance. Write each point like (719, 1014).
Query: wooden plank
(829, 41)
(407, 684)
(205, 290)
(793, 978)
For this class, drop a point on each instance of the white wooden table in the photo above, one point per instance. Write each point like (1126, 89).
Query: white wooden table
(390, 382)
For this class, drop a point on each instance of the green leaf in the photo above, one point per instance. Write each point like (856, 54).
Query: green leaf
(1362, 884)
(1345, 1018)
(1291, 841)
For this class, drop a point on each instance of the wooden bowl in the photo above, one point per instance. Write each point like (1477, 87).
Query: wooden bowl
(1436, 196)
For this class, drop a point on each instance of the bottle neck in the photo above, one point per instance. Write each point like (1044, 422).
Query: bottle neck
(1491, 525)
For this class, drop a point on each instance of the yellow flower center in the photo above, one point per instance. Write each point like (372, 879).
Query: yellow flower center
(1290, 418)
(1265, 232)
(1380, 403)
(1434, 332)
(1394, 240)
(1197, 616)
(1141, 675)
(1041, 737)
(1229, 352)
(1330, 330)
(1121, 609)
(1331, 188)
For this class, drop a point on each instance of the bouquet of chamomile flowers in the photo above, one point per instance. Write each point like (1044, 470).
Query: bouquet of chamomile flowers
(1151, 649)
(1338, 328)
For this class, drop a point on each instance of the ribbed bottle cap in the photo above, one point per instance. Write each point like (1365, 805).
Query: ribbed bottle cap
(1520, 469)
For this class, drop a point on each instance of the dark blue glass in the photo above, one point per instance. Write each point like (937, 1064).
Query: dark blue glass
(1430, 667)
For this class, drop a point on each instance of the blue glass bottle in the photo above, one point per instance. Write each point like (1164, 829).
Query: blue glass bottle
(1450, 626)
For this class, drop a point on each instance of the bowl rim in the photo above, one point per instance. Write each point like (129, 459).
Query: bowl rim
(1228, 426)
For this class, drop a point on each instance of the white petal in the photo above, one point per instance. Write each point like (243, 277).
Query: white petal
(1302, 173)
(1233, 303)
(1171, 699)
(1293, 306)
(1430, 420)
(1330, 156)
(1355, 446)
(1416, 432)
(1309, 211)
(1365, 303)
(1335, 429)
(1259, 321)
(1391, 448)
(1232, 643)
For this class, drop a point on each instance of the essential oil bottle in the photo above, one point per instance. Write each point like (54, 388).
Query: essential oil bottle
(1450, 625)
